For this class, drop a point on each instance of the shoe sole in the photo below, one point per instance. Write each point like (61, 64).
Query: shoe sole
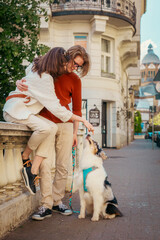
(65, 214)
(41, 218)
(26, 181)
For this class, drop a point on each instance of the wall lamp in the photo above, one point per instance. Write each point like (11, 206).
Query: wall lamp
(131, 89)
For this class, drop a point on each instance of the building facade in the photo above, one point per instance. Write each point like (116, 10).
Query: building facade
(110, 32)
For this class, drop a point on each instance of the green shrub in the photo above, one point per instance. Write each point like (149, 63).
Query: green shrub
(137, 122)
(19, 20)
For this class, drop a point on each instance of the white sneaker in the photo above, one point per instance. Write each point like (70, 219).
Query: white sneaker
(42, 213)
(62, 209)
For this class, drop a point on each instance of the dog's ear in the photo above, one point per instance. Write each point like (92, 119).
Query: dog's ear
(102, 154)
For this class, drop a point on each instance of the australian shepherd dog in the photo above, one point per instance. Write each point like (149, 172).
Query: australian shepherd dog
(96, 196)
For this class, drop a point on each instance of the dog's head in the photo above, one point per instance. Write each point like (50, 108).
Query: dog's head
(95, 149)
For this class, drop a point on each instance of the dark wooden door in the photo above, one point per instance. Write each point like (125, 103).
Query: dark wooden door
(104, 124)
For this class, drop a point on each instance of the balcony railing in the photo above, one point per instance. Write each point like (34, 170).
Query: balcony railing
(124, 8)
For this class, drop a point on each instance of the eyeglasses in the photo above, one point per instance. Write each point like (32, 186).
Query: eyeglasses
(77, 65)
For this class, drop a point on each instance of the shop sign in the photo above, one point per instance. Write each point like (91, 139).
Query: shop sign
(94, 117)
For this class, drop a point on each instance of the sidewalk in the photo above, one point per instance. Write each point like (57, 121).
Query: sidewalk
(134, 172)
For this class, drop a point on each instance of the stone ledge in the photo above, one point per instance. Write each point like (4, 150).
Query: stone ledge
(13, 126)
(14, 129)
(16, 211)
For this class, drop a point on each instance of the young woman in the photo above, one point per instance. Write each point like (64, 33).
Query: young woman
(25, 107)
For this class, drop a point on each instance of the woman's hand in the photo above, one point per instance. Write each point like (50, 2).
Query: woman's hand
(21, 86)
(88, 126)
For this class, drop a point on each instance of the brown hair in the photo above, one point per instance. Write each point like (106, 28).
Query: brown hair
(52, 62)
(78, 50)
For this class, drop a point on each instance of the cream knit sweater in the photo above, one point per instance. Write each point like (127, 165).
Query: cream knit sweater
(42, 94)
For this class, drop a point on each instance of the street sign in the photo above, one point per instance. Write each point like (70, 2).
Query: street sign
(94, 117)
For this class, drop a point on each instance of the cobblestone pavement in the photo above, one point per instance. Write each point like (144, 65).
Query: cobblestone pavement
(134, 172)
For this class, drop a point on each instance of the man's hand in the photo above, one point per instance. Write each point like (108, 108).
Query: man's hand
(75, 140)
(21, 86)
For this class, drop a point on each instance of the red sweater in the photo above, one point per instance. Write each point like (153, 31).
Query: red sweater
(68, 89)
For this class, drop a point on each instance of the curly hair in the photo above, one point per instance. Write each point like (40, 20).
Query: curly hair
(78, 50)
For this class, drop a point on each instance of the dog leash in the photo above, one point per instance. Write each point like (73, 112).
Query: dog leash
(71, 191)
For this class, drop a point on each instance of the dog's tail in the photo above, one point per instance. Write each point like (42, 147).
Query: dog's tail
(111, 200)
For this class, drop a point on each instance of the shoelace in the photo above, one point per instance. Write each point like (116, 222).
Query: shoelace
(62, 206)
(41, 209)
(27, 163)
(36, 180)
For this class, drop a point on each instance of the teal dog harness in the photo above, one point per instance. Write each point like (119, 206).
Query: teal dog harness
(85, 173)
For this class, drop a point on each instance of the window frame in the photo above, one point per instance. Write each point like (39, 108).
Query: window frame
(110, 55)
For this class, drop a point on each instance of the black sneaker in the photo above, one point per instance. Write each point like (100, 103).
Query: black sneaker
(42, 213)
(29, 179)
(63, 209)
(26, 162)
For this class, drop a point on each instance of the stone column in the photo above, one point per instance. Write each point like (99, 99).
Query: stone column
(3, 176)
(10, 170)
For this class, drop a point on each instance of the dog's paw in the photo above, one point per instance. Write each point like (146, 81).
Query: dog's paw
(110, 216)
(80, 216)
(95, 219)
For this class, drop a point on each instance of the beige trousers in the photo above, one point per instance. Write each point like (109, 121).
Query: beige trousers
(43, 132)
(53, 194)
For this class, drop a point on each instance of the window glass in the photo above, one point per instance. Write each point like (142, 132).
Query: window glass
(105, 46)
(108, 64)
(80, 40)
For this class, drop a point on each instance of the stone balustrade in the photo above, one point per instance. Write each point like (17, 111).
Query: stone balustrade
(13, 139)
